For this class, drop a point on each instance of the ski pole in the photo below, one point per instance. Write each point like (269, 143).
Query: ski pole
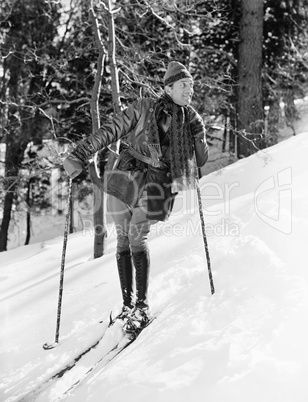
(66, 230)
(204, 237)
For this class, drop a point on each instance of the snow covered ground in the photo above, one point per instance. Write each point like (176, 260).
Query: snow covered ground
(245, 343)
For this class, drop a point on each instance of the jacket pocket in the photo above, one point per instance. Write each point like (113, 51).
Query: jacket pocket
(125, 181)
(126, 161)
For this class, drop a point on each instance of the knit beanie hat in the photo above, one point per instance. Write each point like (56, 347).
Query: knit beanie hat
(175, 72)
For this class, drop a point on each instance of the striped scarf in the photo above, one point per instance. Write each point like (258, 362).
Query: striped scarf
(183, 166)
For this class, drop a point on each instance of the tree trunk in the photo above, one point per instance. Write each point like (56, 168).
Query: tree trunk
(99, 220)
(11, 152)
(98, 177)
(7, 208)
(112, 60)
(233, 138)
(28, 213)
(114, 148)
(13, 158)
(250, 106)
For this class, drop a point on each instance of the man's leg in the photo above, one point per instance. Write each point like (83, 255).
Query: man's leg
(121, 215)
(138, 238)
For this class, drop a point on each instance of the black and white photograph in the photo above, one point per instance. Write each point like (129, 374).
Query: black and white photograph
(153, 200)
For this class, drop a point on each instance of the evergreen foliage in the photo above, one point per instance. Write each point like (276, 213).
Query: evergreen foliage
(48, 63)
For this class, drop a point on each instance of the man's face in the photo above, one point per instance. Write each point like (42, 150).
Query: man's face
(181, 91)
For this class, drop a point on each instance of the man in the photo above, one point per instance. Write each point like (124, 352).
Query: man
(163, 143)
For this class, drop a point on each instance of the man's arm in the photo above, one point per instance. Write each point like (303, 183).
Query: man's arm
(121, 124)
(198, 132)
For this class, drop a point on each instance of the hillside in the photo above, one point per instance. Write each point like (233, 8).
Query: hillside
(245, 343)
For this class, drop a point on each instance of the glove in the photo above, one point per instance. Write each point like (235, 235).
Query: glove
(73, 166)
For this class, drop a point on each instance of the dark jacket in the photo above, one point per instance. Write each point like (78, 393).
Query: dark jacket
(135, 170)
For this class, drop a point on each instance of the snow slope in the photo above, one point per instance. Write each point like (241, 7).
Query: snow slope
(247, 342)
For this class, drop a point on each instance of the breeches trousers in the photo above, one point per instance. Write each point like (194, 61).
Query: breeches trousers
(132, 225)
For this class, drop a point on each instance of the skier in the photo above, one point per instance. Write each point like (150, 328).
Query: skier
(163, 141)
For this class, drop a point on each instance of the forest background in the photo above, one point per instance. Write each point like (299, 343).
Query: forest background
(67, 66)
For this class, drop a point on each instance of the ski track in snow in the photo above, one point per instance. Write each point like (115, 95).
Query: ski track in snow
(247, 342)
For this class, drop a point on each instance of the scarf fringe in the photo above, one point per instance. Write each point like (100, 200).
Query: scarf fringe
(183, 167)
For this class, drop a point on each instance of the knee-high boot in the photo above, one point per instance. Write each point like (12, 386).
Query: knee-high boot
(125, 268)
(141, 261)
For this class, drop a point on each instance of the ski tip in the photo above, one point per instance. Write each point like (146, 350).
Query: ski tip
(111, 321)
(48, 345)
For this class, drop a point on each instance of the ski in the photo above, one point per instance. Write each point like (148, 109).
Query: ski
(126, 341)
(108, 345)
(29, 397)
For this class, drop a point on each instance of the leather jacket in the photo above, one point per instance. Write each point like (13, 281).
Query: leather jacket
(135, 168)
